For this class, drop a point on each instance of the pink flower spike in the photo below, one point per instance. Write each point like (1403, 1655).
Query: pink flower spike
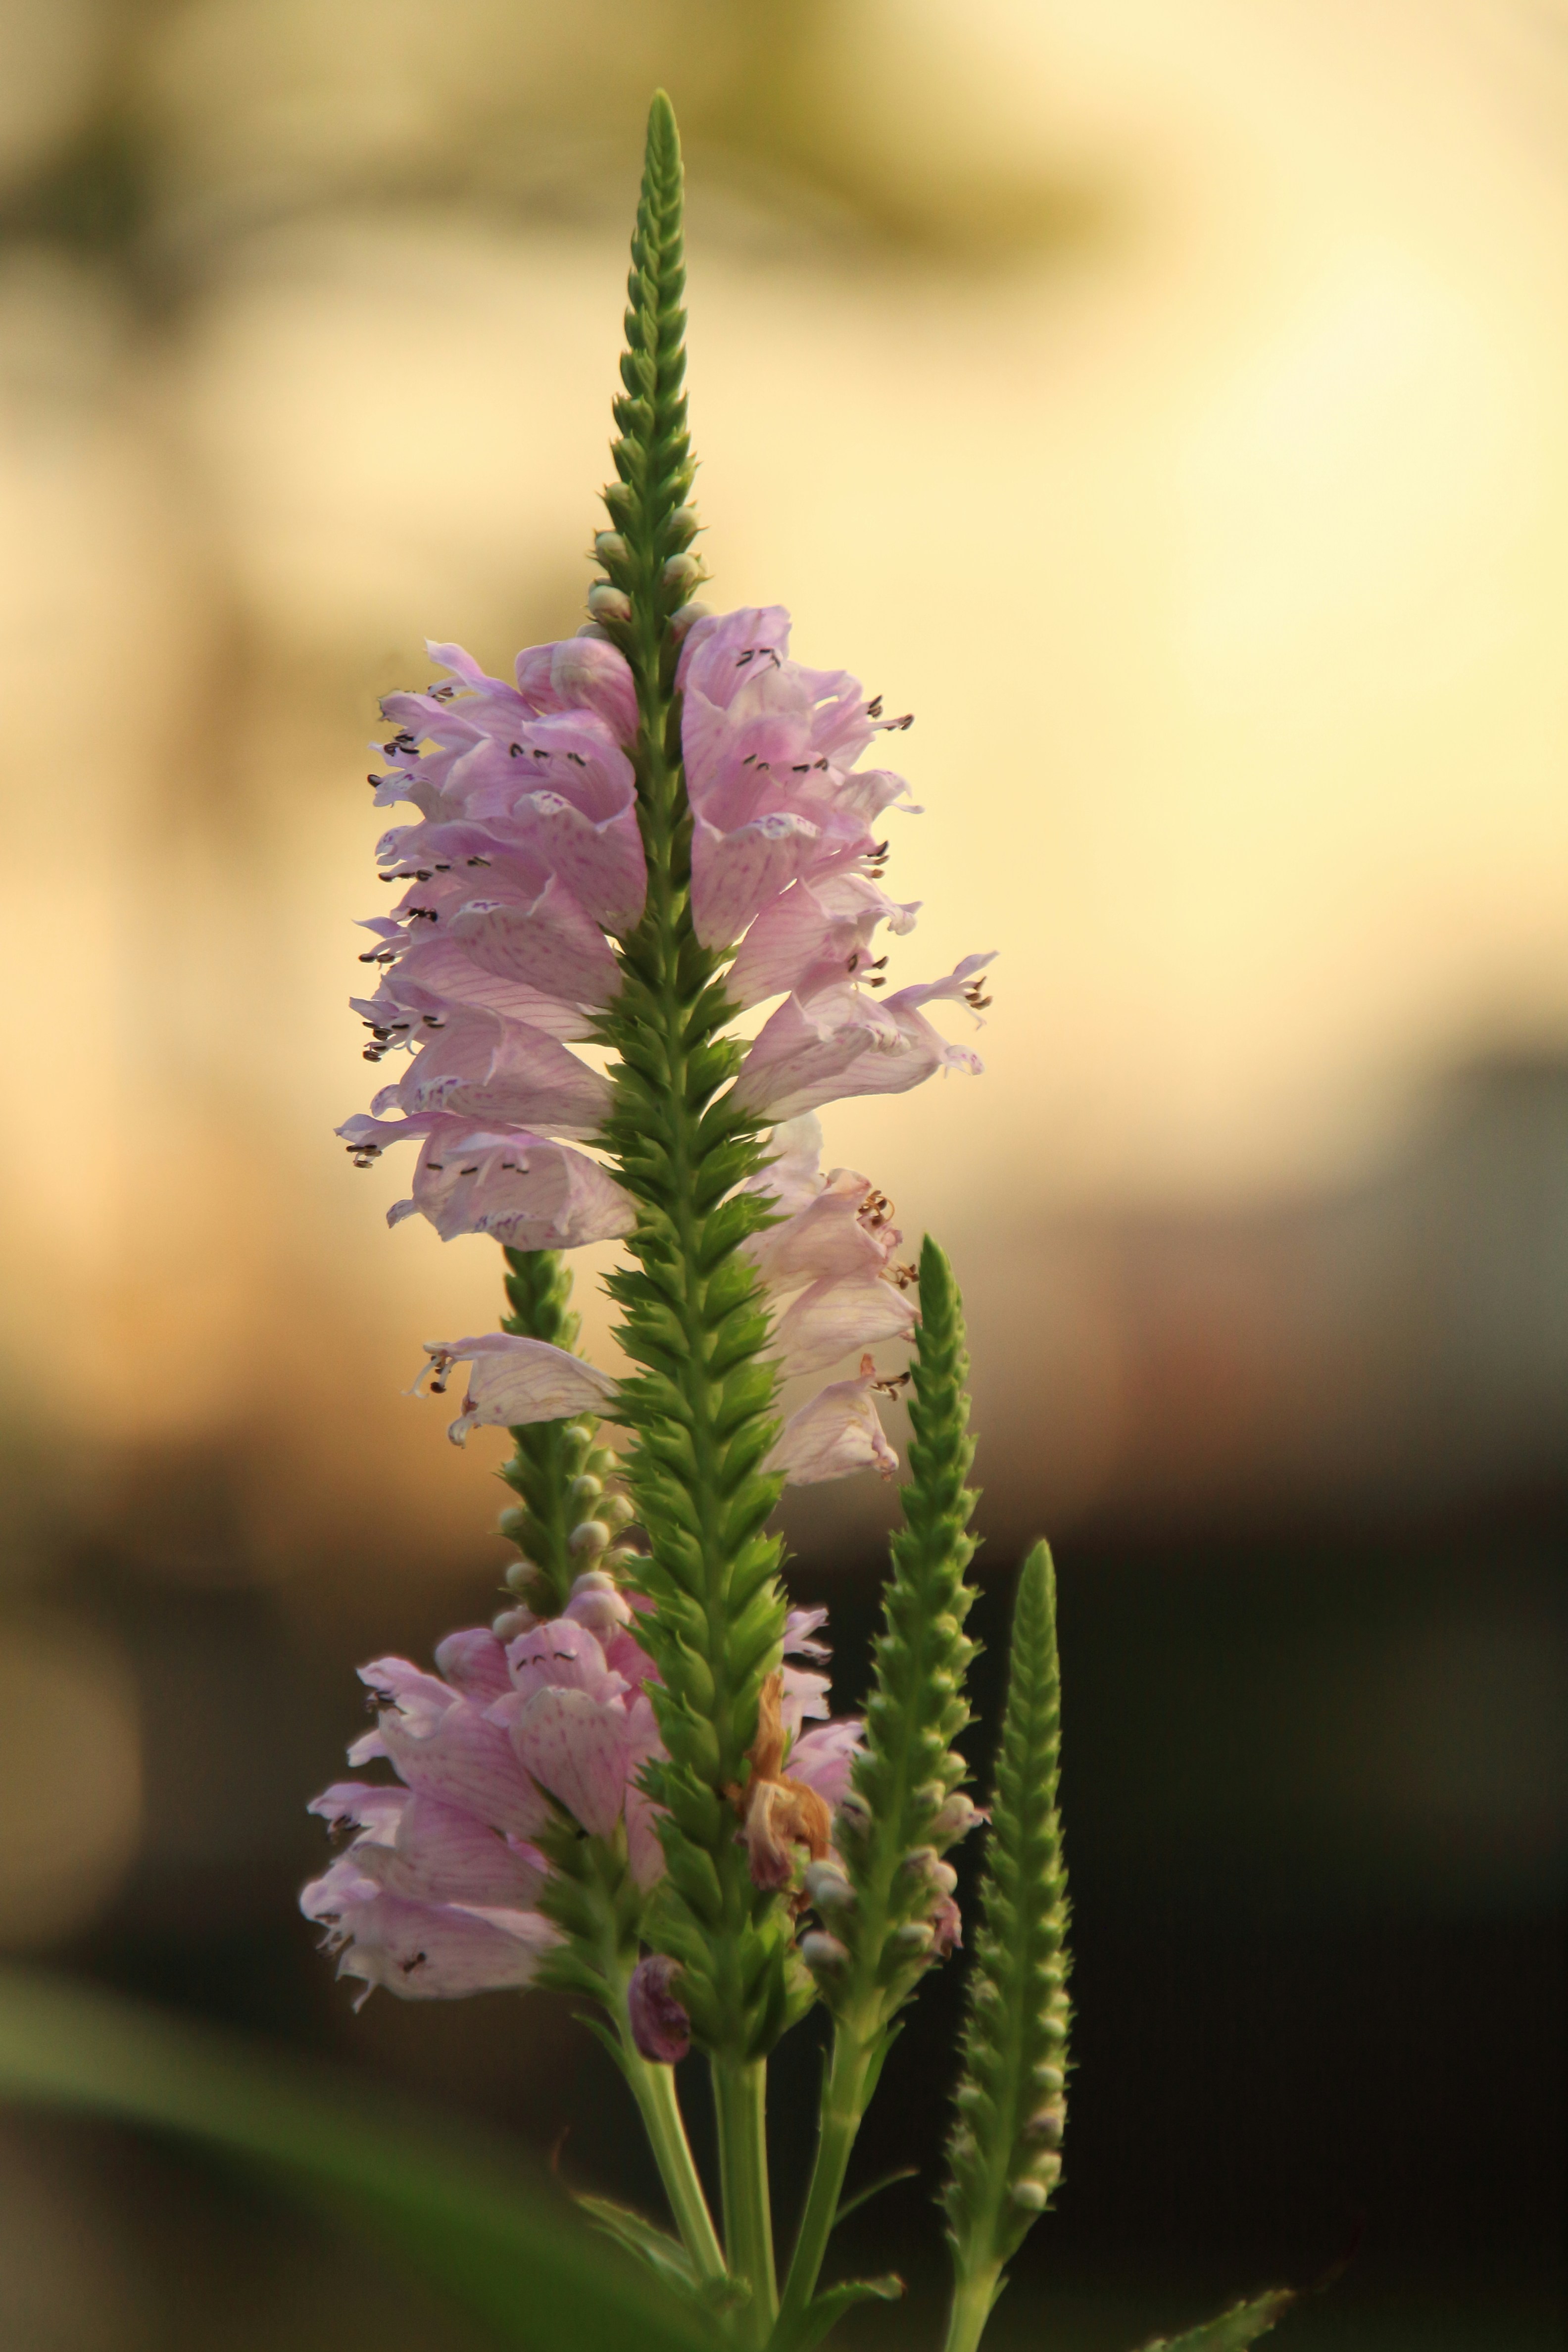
(514, 1382)
(835, 1433)
(661, 2026)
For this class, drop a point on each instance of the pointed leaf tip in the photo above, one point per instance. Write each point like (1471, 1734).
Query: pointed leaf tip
(1235, 2330)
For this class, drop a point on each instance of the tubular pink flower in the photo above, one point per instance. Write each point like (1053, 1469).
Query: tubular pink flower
(514, 1382)
(814, 934)
(444, 1747)
(527, 1192)
(840, 1043)
(424, 1951)
(432, 1853)
(484, 1068)
(436, 1896)
(833, 1319)
(434, 981)
(510, 916)
(835, 1433)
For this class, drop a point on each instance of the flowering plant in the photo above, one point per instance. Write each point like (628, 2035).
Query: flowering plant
(627, 1785)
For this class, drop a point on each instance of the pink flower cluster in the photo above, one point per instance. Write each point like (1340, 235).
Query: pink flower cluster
(437, 1893)
(526, 863)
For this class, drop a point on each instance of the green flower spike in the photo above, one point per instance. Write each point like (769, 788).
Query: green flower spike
(1003, 2156)
(700, 1404)
(885, 1915)
(556, 1470)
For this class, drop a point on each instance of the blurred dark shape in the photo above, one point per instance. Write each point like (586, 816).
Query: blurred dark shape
(1393, 1352)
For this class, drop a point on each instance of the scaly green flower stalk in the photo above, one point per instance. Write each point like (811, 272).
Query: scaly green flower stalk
(700, 1406)
(885, 1918)
(1003, 2156)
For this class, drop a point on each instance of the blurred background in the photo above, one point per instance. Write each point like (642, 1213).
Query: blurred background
(1171, 404)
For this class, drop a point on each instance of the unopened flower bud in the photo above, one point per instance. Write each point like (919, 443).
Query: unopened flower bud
(1051, 2078)
(527, 1580)
(1030, 2195)
(512, 1622)
(825, 1888)
(824, 1955)
(912, 1941)
(596, 1604)
(586, 1488)
(955, 1818)
(681, 523)
(661, 2026)
(1046, 2124)
(682, 571)
(607, 603)
(609, 546)
(681, 622)
(617, 1511)
(589, 1536)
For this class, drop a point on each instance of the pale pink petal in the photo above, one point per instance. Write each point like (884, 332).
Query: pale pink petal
(721, 647)
(736, 872)
(562, 1654)
(424, 1951)
(546, 941)
(527, 1192)
(813, 934)
(515, 1381)
(474, 1663)
(804, 1694)
(468, 1761)
(484, 1068)
(833, 1319)
(835, 1433)
(433, 1853)
(824, 1758)
(576, 1747)
(842, 1043)
(581, 673)
(801, 1629)
(842, 1232)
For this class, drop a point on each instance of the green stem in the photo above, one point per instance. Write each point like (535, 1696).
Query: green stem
(653, 2087)
(973, 2298)
(741, 2098)
(843, 2104)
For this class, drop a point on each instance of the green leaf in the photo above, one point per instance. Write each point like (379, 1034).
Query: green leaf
(864, 2195)
(1003, 2153)
(664, 2254)
(827, 2309)
(1235, 2329)
(456, 2202)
